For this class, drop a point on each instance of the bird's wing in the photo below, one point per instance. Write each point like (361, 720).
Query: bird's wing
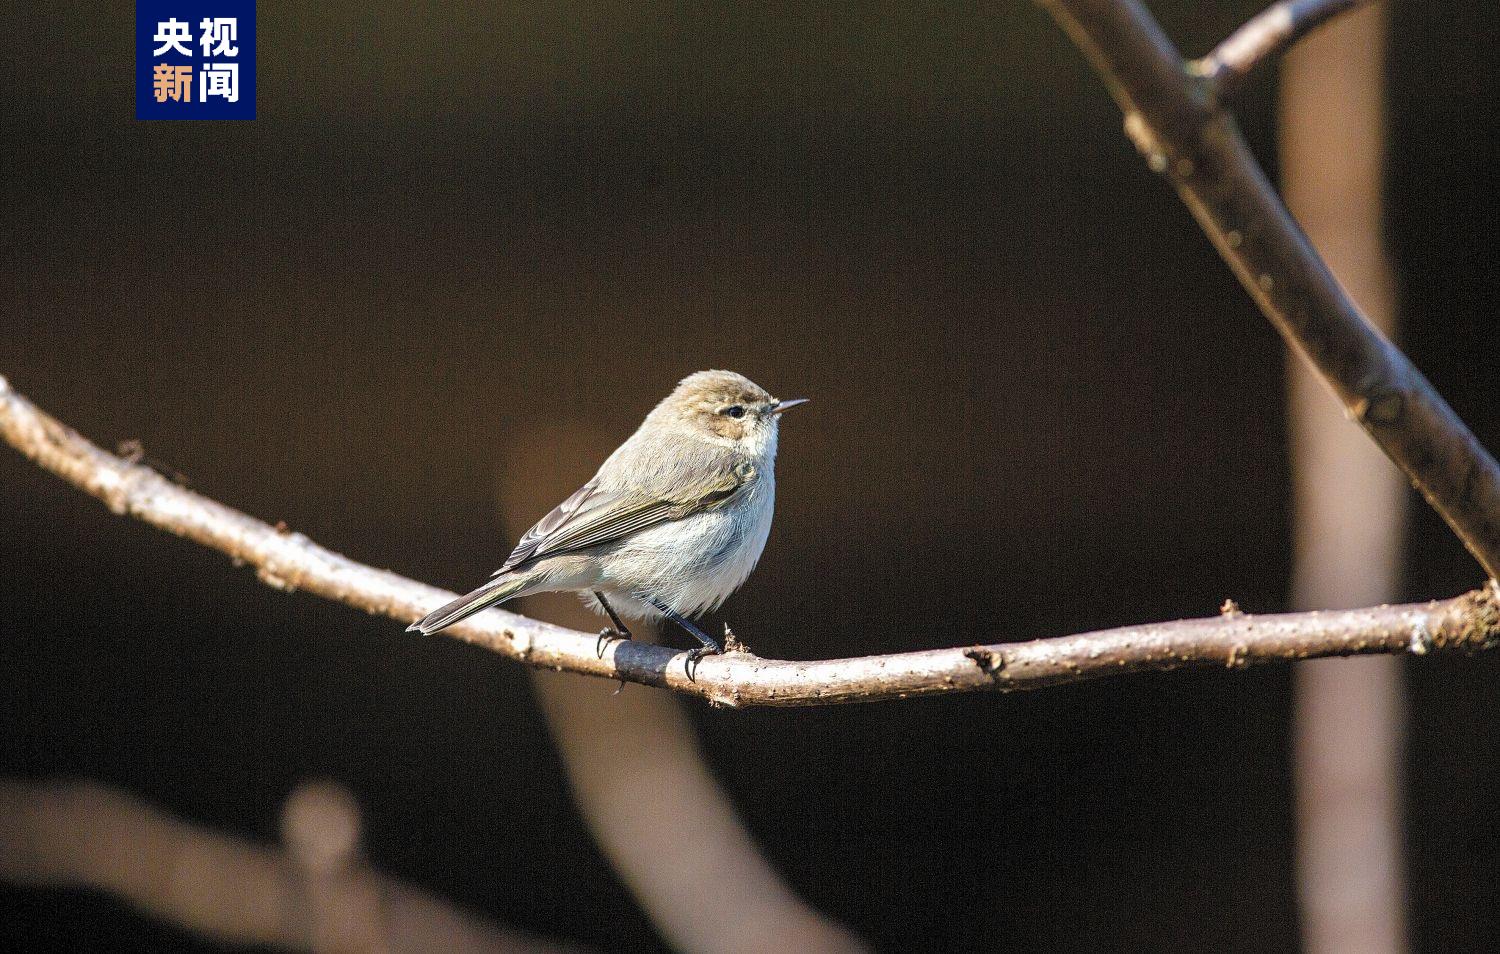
(592, 516)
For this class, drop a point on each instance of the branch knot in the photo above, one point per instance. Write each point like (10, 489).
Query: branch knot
(989, 661)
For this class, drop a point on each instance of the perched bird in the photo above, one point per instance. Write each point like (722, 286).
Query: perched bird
(673, 522)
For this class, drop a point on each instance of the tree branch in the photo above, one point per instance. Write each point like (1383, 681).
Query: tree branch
(1265, 35)
(290, 561)
(1174, 119)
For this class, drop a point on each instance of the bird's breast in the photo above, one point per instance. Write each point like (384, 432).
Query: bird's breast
(694, 564)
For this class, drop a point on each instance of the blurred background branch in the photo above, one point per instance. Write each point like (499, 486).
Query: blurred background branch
(1350, 508)
(316, 896)
(640, 779)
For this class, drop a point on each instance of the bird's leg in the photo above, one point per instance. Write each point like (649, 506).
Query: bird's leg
(607, 634)
(613, 616)
(709, 647)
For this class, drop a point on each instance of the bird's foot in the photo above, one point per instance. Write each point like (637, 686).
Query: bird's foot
(608, 635)
(690, 665)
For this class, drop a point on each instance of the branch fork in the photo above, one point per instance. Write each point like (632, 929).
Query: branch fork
(1172, 113)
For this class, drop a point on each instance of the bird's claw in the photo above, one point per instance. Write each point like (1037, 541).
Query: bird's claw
(690, 665)
(607, 635)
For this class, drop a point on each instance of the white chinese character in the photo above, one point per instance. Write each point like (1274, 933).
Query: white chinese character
(219, 79)
(172, 34)
(220, 30)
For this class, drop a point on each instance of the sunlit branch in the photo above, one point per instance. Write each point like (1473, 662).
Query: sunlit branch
(290, 561)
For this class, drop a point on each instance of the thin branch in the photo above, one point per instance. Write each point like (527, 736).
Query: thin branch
(1263, 37)
(1174, 120)
(290, 561)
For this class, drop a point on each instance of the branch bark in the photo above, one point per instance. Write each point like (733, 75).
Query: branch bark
(290, 561)
(1263, 37)
(1174, 118)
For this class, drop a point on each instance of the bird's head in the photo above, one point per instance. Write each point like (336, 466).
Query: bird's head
(725, 408)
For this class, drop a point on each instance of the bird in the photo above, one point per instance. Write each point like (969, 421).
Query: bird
(672, 523)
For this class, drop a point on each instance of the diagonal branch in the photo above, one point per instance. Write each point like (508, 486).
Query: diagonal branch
(1266, 34)
(1173, 118)
(290, 561)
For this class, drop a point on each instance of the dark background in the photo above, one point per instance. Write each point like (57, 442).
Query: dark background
(1041, 405)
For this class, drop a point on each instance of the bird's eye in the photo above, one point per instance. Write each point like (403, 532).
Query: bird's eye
(734, 410)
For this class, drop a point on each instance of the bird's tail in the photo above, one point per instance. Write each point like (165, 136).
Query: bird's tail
(495, 591)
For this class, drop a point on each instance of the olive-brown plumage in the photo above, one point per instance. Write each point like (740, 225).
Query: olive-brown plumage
(672, 523)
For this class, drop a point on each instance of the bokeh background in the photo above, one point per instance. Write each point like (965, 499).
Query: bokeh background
(464, 249)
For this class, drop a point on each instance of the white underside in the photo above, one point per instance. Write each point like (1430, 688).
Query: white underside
(692, 565)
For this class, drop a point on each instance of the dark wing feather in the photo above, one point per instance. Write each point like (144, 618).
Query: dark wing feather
(592, 516)
(533, 538)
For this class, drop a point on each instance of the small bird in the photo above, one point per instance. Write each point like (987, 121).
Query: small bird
(673, 522)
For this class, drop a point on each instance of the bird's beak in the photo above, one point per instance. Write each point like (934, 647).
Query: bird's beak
(788, 405)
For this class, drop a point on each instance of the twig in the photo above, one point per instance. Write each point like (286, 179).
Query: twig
(290, 561)
(1264, 36)
(1173, 118)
